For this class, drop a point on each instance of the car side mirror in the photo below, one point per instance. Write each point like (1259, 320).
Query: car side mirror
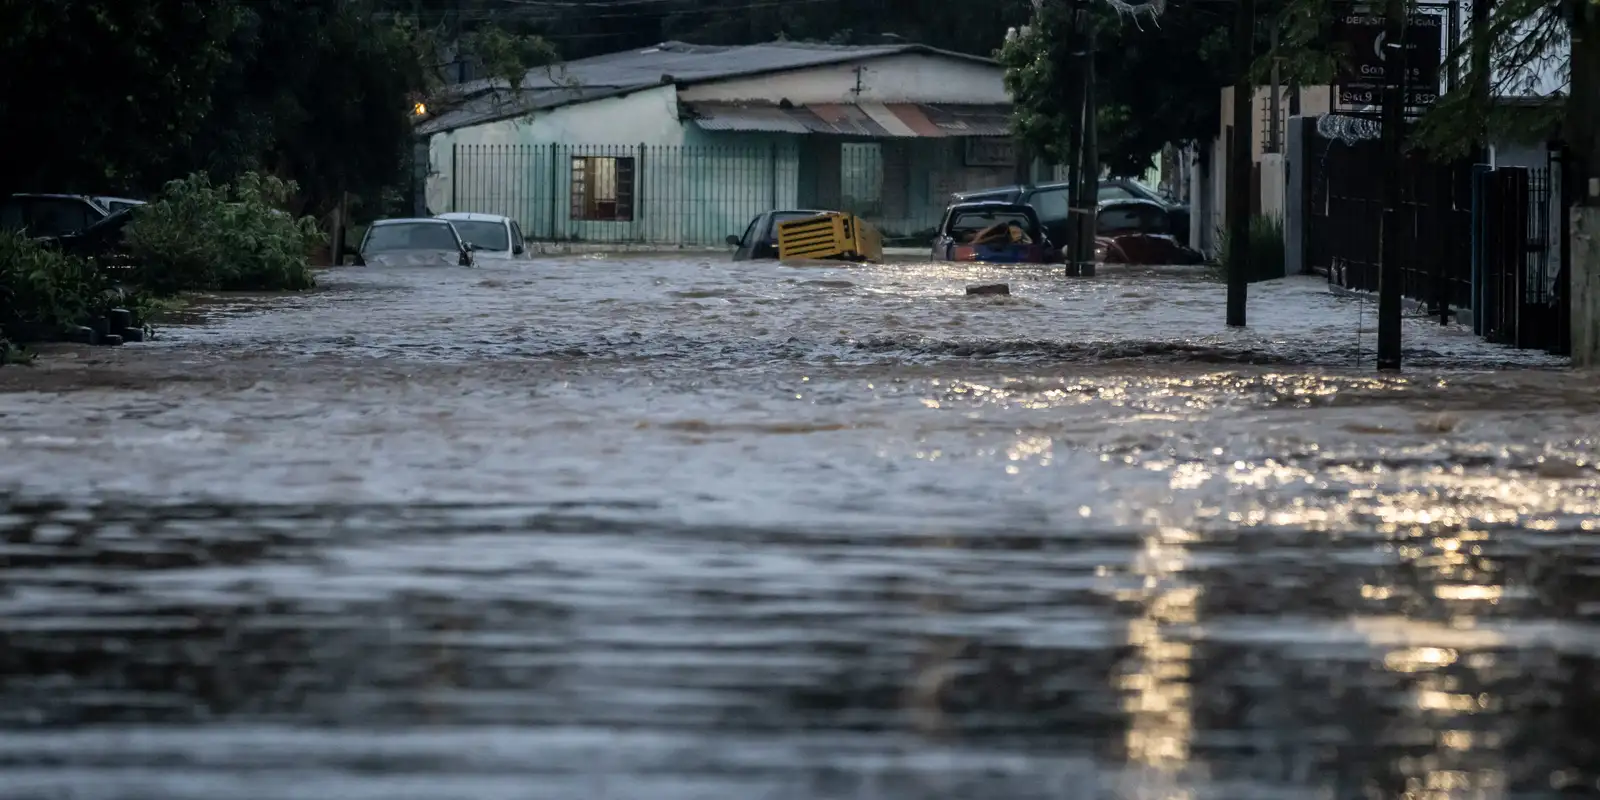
(518, 249)
(733, 241)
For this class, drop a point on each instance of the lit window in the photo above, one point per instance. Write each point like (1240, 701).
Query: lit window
(602, 188)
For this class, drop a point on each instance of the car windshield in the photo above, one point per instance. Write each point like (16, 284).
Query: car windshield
(964, 226)
(487, 235)
(410, 236)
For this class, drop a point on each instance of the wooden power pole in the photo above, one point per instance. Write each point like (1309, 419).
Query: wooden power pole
(1244, 31)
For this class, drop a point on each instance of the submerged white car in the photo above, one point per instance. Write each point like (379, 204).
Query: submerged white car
(494, 236)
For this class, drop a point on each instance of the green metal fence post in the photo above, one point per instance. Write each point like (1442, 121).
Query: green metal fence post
(555, 196)
(455, 173)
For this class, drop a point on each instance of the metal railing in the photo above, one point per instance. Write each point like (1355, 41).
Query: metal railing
(693, 196)
(1472, 237)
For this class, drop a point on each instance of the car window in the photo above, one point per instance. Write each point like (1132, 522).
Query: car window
(963, 224)
(516, 233)
(1133, 217)
(54, 216)
(1115, 192)
(749, 237)
(1052, 204)
(487, 235)
(409, 236)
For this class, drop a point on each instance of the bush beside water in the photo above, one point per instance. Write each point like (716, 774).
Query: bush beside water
(1265, 247)
(237, 236)
(195, 236)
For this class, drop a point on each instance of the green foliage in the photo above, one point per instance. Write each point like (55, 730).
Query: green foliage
(1155, 84)
(1265, 248)
(44, 291)
(197, 235)
(506, 55)
(1523, 39)
(108, 95)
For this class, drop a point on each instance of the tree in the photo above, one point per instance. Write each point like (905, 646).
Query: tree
(1156, 84)
(155, 66)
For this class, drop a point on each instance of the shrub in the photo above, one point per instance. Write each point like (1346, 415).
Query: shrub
(235, 236)
(44, 291)
(1267, 260)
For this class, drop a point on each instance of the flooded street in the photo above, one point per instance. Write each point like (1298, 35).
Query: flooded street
(645, 528)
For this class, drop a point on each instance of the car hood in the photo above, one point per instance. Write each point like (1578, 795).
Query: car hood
(413, 258)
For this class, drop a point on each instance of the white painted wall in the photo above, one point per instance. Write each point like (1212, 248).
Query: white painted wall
(647, 117)
(906, 78)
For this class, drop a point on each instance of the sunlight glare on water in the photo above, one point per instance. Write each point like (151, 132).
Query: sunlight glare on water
(638, 527)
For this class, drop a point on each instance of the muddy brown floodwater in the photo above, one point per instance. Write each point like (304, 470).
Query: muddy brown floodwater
(673, 528)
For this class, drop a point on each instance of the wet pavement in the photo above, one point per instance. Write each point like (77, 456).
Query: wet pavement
(676, 528)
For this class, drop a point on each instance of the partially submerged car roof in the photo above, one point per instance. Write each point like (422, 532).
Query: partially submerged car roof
(994, 205)
(402, 220)
(472, 216)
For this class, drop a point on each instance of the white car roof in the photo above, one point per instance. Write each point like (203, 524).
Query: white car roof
(410, 221)
(469, 216)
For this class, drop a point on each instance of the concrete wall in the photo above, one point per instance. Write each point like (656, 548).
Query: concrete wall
(909, 78)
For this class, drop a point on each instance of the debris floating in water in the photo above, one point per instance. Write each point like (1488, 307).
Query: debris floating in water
(989, 288)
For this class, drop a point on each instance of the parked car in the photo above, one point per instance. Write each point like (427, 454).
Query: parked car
(1052, 201)
(995, 232)
(760, 239)
(1131, 231)
(498, 238)
(413, 242)
(52, 215)
(101, 240)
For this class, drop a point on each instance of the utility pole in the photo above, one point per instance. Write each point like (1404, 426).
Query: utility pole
(1394, 100)
(1089, 190)
(1478, 60)
(1239, 167)
(1073, 101)
(1583, 142)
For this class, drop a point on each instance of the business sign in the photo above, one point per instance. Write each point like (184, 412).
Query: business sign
(1362, 56)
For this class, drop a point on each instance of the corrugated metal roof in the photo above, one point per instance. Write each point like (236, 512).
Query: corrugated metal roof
(904, 120)
(769, 119)
(498, 105)
(684, 63)
(668, 63)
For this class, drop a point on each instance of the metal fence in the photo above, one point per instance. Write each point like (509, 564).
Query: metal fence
(1520, 252)
(1471, 237)
(690, 196)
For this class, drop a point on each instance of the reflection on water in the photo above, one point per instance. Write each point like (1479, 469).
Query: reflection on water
(679, 529)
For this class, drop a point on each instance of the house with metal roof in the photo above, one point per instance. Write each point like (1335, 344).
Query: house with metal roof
(683, 144)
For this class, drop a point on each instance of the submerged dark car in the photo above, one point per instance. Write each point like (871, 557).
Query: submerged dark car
(102, 240)
(418, 242)
(994, 232)
(1053, 201)
(760, 239)
(1136, 232)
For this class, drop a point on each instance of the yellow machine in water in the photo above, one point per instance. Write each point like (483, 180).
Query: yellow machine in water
(834, 235)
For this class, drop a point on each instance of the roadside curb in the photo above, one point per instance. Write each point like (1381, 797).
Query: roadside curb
(1458, 316)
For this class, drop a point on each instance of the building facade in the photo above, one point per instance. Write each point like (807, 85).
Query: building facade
(684, 144)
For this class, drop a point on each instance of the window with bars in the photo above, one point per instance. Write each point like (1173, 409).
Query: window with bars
(602, 188)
